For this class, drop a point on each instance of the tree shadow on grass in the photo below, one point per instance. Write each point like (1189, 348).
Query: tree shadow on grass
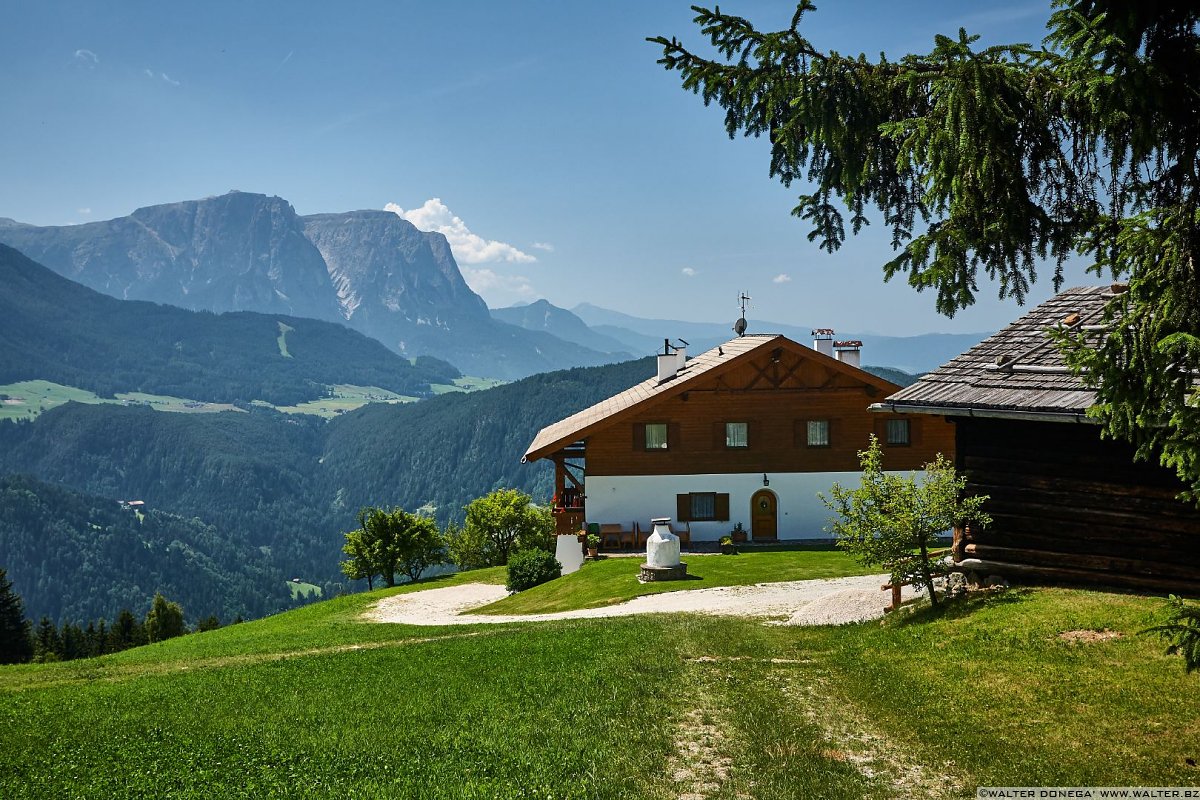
(957, 608)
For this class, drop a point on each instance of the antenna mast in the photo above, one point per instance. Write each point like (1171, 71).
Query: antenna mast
(739, 327)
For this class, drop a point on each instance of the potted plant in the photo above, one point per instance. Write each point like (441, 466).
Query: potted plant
(738, 534)
(593, 544)
(727, 546)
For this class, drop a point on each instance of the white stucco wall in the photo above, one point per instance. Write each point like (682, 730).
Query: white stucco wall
(801, 514)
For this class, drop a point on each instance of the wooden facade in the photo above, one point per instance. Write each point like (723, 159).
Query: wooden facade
(1068, 506)
(768, 388)
(776, 415)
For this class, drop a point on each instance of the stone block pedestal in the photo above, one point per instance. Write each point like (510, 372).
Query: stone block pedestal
(675, 573)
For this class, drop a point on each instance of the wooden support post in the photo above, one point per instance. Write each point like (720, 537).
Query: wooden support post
(896, 589)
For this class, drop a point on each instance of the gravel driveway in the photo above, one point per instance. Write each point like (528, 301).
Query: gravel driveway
(833, 601)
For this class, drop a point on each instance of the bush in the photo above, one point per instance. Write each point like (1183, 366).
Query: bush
(528, 568)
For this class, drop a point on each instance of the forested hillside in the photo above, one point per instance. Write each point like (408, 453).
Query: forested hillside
(54, 329)
(447, 451)
(75, 556)
(287, 487)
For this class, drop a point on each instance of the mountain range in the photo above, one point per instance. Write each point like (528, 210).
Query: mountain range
(378, 274)
(369, 270)
(55, 329)
(913, 354)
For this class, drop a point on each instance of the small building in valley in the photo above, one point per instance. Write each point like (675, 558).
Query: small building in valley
(1066, 505)
(748, 432)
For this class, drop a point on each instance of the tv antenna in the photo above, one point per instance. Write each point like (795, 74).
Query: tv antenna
(739, 327)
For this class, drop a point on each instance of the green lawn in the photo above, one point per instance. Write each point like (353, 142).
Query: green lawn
(467, 383)
(316, 703)
(310, 589)
(281, 340)
(345, 397)
(28, 399)
(614, 580)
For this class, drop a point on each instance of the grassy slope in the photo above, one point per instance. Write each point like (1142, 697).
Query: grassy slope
(313, 703)
(614, 580)
(28, 399)
(31, 398)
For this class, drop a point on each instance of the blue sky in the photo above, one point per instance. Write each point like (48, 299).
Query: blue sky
(542, 136)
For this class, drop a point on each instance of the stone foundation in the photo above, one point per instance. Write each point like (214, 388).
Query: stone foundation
(650, 573)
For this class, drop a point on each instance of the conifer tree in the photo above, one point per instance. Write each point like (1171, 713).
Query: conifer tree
(16, 646)
(47, 646)
(983, 162)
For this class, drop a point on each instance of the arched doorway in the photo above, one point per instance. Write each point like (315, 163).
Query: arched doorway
(764, 516)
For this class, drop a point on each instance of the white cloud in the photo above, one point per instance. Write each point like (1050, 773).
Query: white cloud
(87, 58)
(152, 75)
(782, 277)
(468, 248)
(688, 272)
(549, 248)
(84, 211)
(498, 290)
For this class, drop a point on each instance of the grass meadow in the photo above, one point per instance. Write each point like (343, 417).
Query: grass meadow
(1025, 687)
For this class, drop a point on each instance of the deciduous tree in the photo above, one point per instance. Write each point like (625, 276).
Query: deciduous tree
(992, 160)
(164, 620)
(388, 542)
(892, 521)
(509, 521)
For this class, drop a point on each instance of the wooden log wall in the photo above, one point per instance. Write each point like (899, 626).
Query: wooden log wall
(1068, 506)
(776, 413)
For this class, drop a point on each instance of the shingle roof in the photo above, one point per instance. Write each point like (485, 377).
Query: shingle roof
(1019, 369)
(573, 427)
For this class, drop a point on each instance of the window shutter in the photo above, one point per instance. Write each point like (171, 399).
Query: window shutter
(799, 433)
(722, 514)
(673, 436)
(718, 436)
(914, 432)
(683, 507)
(639, 436)
(835, 429)
(880, 429)
(750, 426)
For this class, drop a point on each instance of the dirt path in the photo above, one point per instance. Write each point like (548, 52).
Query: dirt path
(829, 601)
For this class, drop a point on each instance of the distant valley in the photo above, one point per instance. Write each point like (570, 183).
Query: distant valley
(276, 325)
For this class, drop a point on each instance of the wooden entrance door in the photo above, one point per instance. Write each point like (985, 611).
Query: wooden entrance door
(764, 516)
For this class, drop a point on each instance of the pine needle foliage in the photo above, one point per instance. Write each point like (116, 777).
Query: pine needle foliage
(990, 161)
(1182, 633)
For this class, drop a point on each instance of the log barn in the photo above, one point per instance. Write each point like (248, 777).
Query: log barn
(748, 432)
(1067, 506)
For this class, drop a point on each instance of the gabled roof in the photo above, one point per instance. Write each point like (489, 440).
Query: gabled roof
(1018, 371)
(710, 363)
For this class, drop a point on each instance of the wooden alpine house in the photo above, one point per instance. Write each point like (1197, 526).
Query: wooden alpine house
(748, 432)
(1067, 506)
